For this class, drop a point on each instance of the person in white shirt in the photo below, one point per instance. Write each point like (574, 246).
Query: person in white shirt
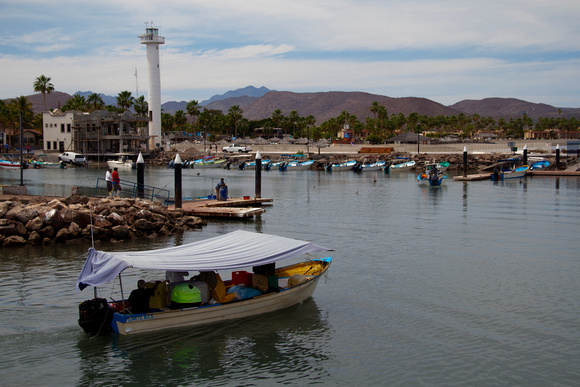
(109, 180)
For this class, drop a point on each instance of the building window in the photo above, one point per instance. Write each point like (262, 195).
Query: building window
(55, 147)
(68, 128)
(62, 128)
(48, 145)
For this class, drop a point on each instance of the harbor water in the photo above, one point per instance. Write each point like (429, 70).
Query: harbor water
(471, 283)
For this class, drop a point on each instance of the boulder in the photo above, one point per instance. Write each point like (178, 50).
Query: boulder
(101, 221)
(12, 212)
(9, 229)
(74, 229)
(35, 224)
(21, 229)
(4, 207)
(54, 218)
(63, 235)
(47, 232)
(56, 204)
(14, 240)
(115, 219)
(34, 238)
(144, 225)
(121, 232)
(143, 214)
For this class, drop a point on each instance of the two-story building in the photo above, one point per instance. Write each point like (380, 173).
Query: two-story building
(99, 133)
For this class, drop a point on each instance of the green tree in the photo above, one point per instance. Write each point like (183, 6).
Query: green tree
(192, 108)
(166, 122)
(234, 115)
(180, 120)
(125, 100)
(141, 106)
(42, 85)
(95, 102)
(77, 102)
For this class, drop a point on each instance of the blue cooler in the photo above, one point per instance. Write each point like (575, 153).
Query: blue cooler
(223, 194)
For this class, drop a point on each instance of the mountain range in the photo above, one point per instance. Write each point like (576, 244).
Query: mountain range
(260, 103)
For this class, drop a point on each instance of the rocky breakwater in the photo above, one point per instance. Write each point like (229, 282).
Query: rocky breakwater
(40, 222)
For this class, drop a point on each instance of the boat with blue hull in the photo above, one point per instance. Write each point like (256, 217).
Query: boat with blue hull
(346, 166)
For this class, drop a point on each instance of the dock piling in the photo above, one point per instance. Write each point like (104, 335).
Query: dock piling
(178, 194)
(140, 176)
(258, 193)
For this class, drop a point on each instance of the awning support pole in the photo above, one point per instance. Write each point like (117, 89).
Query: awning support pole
(122, 295)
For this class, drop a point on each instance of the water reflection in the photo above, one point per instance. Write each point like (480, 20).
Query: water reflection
(286, 345)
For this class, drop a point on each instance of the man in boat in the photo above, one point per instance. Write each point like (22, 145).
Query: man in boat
(139, 298)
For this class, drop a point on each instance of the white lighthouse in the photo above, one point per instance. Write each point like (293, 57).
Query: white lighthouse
(152, 40)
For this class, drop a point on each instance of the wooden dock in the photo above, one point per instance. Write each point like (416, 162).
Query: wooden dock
(231, 208)
(553, 173)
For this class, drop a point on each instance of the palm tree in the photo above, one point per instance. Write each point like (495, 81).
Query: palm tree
(125, 100)
(179, 119)
(192, 108)
(141, 106)
(277, 118)
(235, 114)
(42, 85)
(95, 102)
(14, 108)
(77, 102)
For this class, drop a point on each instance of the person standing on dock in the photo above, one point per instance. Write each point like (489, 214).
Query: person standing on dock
(221, 190)
(109, 181)
(116, 183)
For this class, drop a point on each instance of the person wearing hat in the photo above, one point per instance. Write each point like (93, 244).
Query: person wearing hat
(109, 181)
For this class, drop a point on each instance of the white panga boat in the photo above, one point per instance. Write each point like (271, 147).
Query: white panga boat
(120, 164)
(286, 286)
(402, 167)
(441, 166)
(346, 166)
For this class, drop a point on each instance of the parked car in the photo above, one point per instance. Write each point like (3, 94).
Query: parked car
(236, 148)
(73, 158)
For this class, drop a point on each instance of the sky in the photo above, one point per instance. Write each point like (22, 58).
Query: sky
(446, 50)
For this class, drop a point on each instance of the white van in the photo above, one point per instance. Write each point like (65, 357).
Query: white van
(73, 158)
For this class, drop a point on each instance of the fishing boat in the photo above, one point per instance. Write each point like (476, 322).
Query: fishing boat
(252, 164)
(441, 166)
(510, 173)
(277, 288)
(9, 164)
(376, 166)
(121, 164)
(295, 165)
(346, 166)
(433, 179)
(401, 167)
(209, 163)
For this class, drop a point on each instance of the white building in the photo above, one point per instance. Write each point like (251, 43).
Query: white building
(57, 130)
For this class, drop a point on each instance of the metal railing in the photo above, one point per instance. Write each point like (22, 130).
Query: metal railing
(130, 189)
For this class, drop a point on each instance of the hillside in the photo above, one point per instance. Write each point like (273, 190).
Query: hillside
(326, 105)
(511, 108)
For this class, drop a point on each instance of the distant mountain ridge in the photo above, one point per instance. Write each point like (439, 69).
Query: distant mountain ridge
(325, 105)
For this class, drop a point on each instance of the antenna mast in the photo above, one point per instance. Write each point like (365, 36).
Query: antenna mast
(136, 83)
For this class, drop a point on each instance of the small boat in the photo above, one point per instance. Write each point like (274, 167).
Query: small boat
(539, 165)
(45, 164)
(433, 179)
(9, 164)
(510, 173)
(252, 164)
(268, 289)
(295, 165)
(376, 166)
(441, 166)
(401, 167)
(209, 163)
(120, 164)
(346, 166)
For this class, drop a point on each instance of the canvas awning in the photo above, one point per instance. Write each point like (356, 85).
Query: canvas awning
(231, 251)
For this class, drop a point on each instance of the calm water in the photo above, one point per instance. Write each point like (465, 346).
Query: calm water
(468, 284)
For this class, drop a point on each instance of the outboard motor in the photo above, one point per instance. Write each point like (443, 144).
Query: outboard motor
(95, 316)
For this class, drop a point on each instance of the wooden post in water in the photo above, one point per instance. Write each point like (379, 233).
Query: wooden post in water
(526, 154)
(140, 176)
(258, 175)
(557, 157)
(177, 166)
(464, 161)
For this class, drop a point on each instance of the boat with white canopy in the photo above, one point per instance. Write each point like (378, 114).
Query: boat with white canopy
(272, 288)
